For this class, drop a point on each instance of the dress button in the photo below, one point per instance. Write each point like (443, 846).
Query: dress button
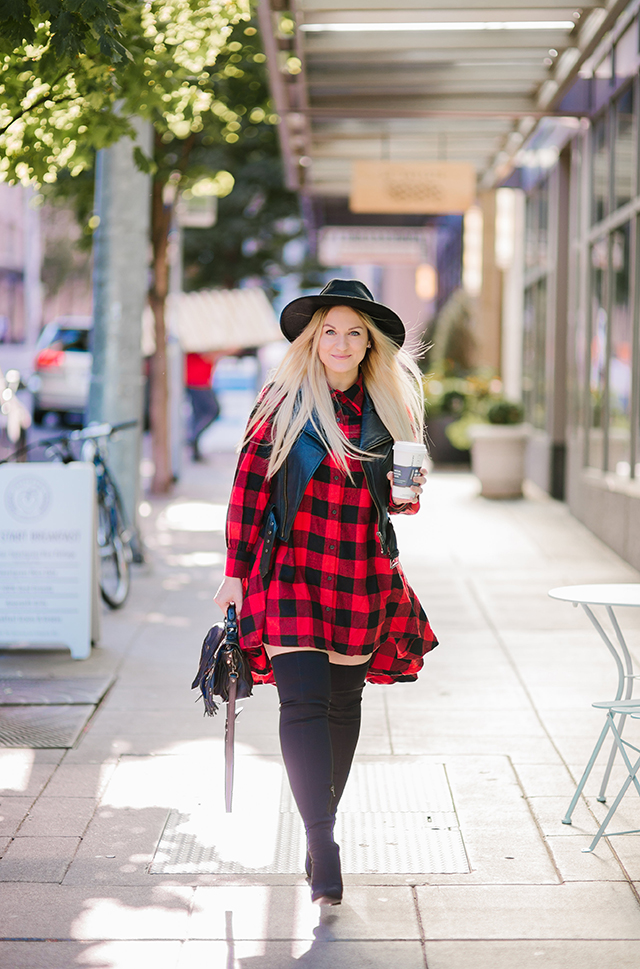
(331, 548)
(329, 578)
(335, 511)
(336, 477)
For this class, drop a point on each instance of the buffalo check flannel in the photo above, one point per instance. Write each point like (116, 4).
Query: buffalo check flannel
(330, 587)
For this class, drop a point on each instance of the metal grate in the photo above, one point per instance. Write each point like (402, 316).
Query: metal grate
(25, 691)
(397, 818)
(42, 726)
(390, 785)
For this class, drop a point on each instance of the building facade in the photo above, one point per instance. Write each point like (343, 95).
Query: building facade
(581, 349)
(43, 272)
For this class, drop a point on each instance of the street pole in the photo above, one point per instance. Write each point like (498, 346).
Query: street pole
(32, 268)
(120, 282)
(175, 359)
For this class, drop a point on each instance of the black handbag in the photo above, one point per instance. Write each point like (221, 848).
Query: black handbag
(224, 673)
(223, 664)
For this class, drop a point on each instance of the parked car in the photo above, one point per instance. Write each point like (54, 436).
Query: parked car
(62, 368)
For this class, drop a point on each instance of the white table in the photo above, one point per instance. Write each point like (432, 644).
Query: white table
(610, 596)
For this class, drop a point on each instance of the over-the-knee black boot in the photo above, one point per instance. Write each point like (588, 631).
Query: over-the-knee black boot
(304, 686)
(347, 684)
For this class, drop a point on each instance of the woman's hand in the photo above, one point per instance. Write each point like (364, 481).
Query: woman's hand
(230, 591)
(419, 480)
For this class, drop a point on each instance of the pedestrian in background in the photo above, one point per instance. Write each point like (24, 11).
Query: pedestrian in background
(312, 559)
(205, 406)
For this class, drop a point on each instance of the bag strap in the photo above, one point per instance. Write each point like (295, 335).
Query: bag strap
(231, 627)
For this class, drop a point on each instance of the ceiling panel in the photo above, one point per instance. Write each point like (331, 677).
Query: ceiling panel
(364, 7)
(367, 79)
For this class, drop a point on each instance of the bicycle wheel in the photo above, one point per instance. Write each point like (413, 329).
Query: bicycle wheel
(127, 534)
(114, 561)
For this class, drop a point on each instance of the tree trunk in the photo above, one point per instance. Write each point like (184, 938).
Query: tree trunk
(161, 220)
(161, 216)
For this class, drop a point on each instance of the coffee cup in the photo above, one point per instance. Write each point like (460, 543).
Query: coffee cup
(408, 459)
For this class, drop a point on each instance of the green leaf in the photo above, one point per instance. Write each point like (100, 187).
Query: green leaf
(16, 26)
(144, 163)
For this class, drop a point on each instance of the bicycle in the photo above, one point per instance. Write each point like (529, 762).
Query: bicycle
(14, 416)
(116, 538)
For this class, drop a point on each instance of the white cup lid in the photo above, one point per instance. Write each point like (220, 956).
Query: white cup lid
(410, 446)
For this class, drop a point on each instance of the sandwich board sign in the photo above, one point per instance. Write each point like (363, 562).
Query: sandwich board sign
(48, 576)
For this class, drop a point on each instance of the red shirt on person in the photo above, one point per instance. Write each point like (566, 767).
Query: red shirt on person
(199, 369)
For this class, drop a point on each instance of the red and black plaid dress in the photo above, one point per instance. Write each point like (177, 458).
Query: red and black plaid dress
(330, 587)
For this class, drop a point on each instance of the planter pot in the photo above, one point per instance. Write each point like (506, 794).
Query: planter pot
(441, 450)
(497, 458)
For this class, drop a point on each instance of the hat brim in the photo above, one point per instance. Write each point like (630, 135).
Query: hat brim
(296, 316)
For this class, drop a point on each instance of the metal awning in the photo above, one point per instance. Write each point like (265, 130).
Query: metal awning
(420, 80)
(209, 320)
(222, 319)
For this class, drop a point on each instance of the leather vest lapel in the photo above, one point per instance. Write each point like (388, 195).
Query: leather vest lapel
(374, 433)
(306, 455)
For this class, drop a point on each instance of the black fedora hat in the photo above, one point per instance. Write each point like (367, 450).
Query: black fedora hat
(341, 292)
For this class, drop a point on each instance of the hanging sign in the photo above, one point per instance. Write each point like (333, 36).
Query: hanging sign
(47, 555)
(418, 188)
(376, 245)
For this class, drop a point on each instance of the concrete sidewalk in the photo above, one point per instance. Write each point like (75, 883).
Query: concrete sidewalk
(502, 711)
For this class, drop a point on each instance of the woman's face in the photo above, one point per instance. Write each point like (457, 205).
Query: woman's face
(342, 346)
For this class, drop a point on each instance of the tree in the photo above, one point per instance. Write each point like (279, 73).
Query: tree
(207, 160)
(63, 99)
(260, 216)
(65, 94)
(238, 145)
(58, 63)
(195, 69)
(255, 221)
(72, 26)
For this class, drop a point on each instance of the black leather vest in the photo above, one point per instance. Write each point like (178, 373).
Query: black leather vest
(306, 455)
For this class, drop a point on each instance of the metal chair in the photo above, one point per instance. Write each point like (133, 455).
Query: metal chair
(624, 709)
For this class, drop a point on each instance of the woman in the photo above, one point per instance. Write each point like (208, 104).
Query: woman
(312, 561)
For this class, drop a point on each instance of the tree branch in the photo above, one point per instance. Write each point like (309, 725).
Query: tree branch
(36, 104)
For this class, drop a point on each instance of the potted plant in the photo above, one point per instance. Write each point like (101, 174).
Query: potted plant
(466, 411)
(446, 402)
(498, 448)
(449, 361)
(493, 428)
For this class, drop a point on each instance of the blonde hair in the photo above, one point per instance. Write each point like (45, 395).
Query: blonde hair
(299, 392)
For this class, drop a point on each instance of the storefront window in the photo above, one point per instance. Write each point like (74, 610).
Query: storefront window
(534, 349)
(603, 372)
(600, 207)
(621, 339)
(598, 355)
(624, 149)
(530, 233)
(626, 58)
(603, 81)
(543, 224)
(535, 305)
(577, 375)
(537, 226)
(577, 336)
